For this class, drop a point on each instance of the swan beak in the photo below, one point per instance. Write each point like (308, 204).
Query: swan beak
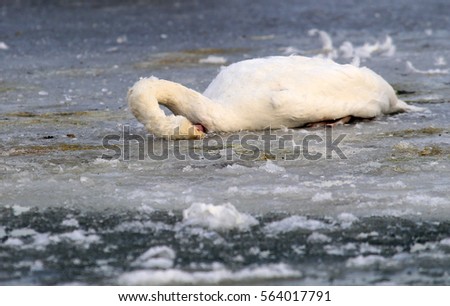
(193, 132)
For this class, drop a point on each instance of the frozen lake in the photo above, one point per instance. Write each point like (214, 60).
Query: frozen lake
(365, 203)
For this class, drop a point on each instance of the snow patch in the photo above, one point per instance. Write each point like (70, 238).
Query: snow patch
(347, 219)
(217, 217)
(322, 196)
(15, 242)
(22, 232)
(318, 238)
(141, 226)
(365, 261)
(212, 59)
(385, 48)
(79, 237)
(347, 50)
(37, 265)
(188, 168)
(440, 61)
(426, 200)
(294, 223)
(72, 222)
(161, 257)
(290, 50)
(3, 46)
(270, 167)
(328, 183)
(121, 39)
(217, 276)
(393, 185)
(410, 68)
(445, 242)
(367, 235)
(18, 210)
(327, 42)
(232, 189)
(234, 168)
(110, 162)
(286, 190)
(2, 232)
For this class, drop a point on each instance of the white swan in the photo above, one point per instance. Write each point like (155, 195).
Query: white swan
(275, 92)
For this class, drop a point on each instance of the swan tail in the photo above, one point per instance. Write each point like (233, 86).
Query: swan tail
(402, 106)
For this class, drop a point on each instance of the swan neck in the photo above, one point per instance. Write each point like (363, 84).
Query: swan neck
(144, 99)
(179, 99)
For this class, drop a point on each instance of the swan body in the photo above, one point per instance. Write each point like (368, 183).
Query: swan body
(255, 94)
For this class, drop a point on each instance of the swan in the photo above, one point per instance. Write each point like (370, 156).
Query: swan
(260, 93)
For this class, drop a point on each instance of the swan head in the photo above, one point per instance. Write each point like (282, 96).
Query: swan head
(184, 129)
